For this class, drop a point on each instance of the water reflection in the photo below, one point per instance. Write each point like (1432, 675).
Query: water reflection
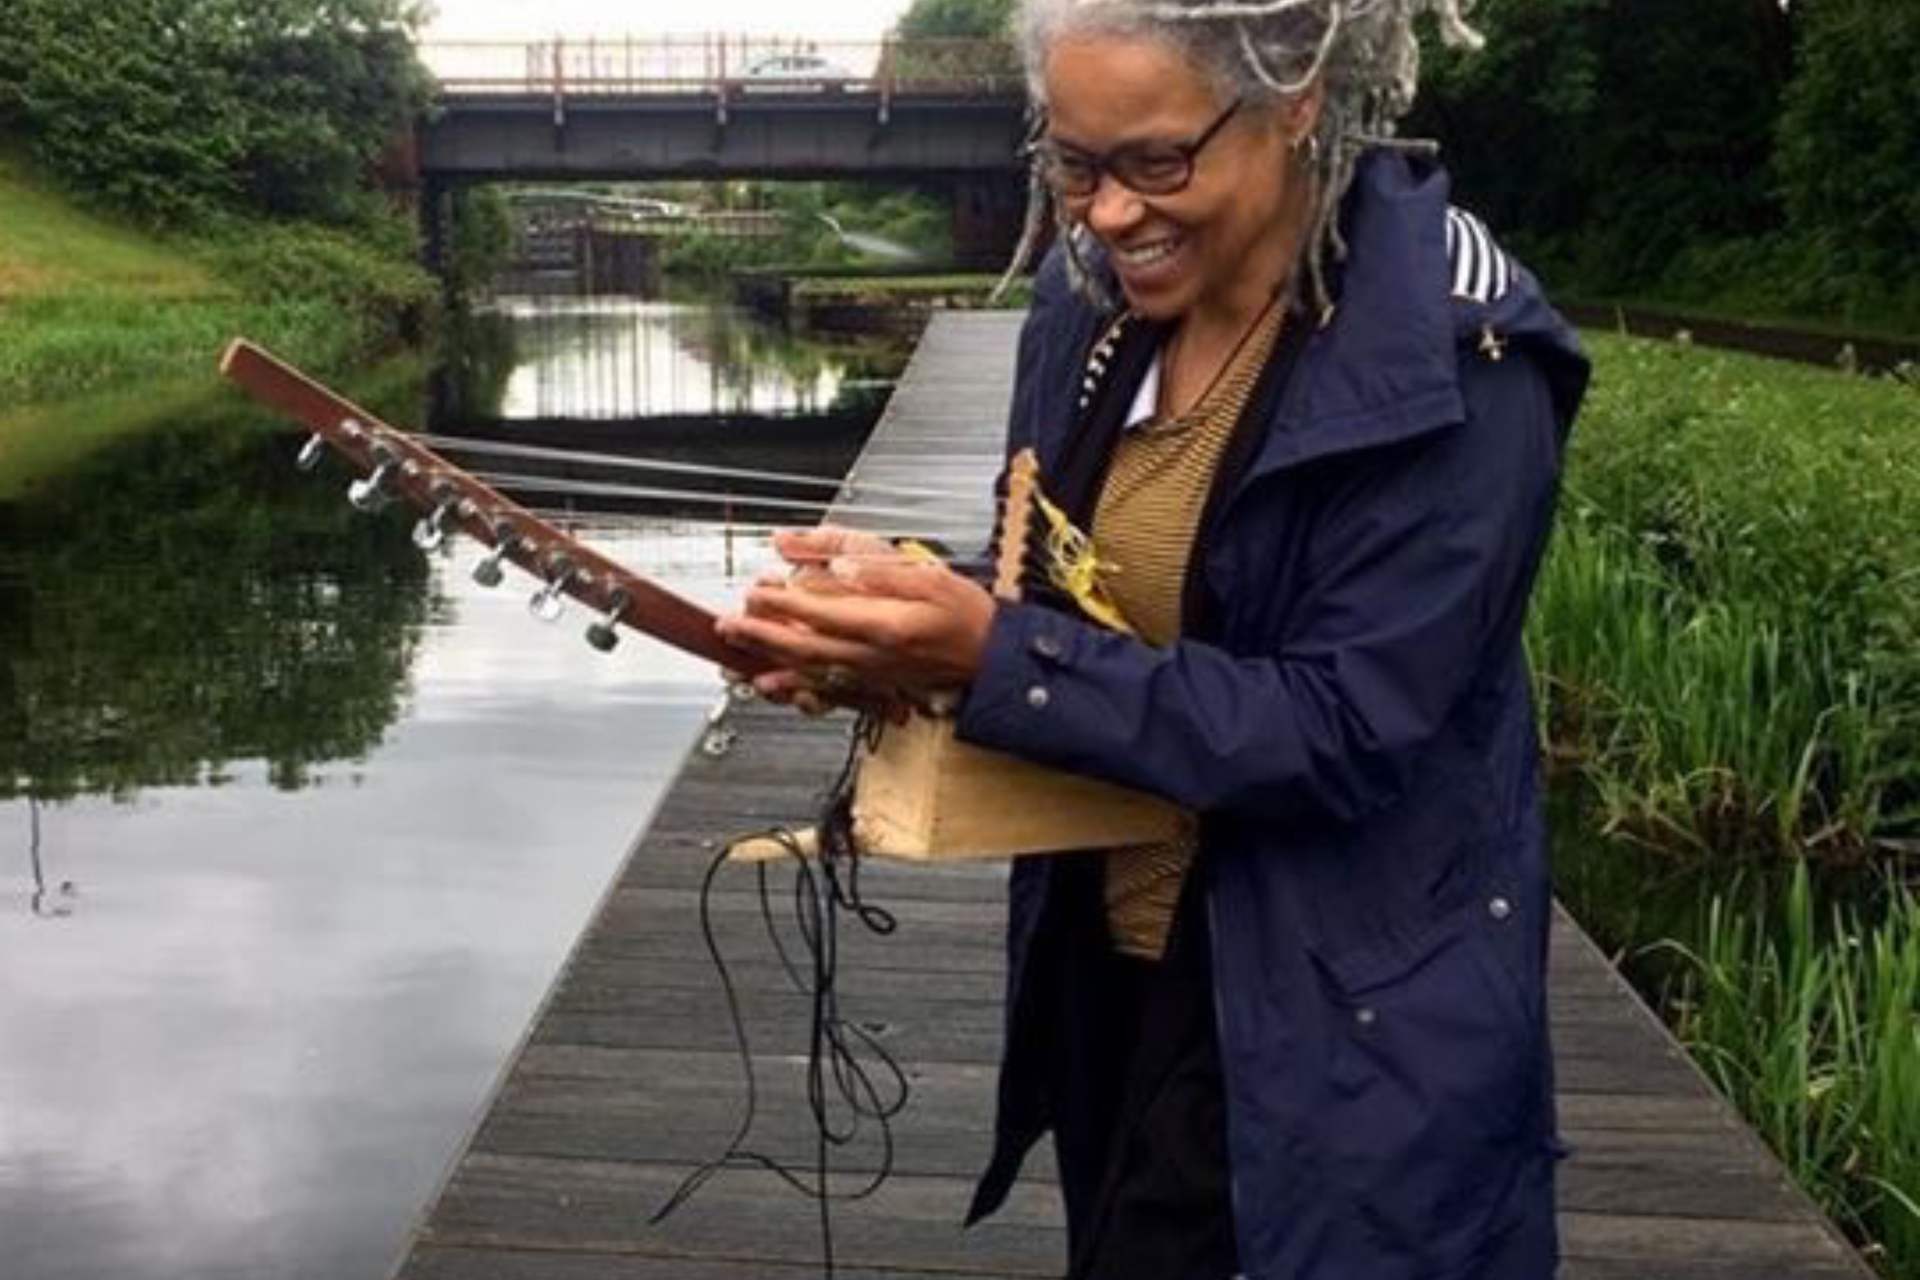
(59, 902)
(600, 358)
(184, 601)
(337, 814)
(253, 1052)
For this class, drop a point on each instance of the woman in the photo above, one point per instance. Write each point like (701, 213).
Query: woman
(1313, 418)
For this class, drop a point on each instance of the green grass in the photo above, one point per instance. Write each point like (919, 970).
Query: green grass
(1726, 633)
(1812, 1026)
(54, 248)
(966, 288)
(88, 305)
(1726, 643)
(55, 347)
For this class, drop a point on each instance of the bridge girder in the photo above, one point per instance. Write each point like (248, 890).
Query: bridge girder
(784, 136)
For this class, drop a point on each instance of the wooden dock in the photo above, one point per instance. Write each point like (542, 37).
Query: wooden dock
(630, 1078)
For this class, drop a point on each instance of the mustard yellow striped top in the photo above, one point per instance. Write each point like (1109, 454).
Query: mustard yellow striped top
(1143, 528)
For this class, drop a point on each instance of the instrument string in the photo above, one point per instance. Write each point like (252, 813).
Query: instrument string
(573, 520)
(848, 1069)
(665, 466)
(605, 489)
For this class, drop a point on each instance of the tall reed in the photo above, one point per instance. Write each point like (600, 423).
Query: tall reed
(1726, 633)
(1709, 724)
(1812, 1027)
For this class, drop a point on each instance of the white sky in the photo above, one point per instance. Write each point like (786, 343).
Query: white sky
(525, 20)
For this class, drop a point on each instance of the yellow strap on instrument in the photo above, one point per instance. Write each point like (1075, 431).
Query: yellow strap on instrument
(914, 549)
(1074, 566)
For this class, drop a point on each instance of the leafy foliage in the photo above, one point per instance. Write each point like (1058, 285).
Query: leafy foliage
(1809, 1025)
(1727, 627)
(86, 304)
(1739, 154)
(175, 110)
(956, 19)
(260, 620)
(1615, 130)
(1850, 134)
(482, 240)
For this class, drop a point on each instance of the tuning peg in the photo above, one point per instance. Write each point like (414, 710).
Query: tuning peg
(311, 452)
(549, 602)
(430, 532)
(370, 494)
(487, 573)
(600, 633)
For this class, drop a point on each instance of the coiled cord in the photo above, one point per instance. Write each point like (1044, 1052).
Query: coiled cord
(852, 1080)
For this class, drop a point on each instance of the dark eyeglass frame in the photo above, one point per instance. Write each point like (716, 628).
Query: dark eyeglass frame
(1075, 173)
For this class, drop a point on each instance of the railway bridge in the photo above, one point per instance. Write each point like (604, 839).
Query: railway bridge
(947, 114)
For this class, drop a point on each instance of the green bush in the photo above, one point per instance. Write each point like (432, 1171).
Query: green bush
(1727, 629)
(1849, 135)
(1741, 156)
(1809, 1025)
(348, 271)
(173, 110)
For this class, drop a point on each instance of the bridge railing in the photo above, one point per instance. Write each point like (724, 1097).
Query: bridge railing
(722, 65)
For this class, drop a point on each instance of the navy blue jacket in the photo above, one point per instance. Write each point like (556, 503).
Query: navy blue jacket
(1348, 711)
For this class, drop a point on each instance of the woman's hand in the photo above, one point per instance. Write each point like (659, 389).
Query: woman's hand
(858, 619)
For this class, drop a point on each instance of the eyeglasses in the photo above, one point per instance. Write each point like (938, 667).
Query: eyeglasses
(1145, 168)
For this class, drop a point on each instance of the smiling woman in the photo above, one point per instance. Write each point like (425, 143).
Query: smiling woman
(1312, 418)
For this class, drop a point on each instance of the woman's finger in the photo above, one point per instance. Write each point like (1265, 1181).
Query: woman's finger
(799, 648)
(870, 620)
(823, 543)
(905, 578)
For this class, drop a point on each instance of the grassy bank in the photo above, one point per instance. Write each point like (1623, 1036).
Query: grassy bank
(1726, 637)
(1806, 1018)
(1727, 630)
(51, 438)
(952, 290)
(88, 304)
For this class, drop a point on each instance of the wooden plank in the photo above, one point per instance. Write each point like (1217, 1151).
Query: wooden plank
(605, 1206)
(437, 1263)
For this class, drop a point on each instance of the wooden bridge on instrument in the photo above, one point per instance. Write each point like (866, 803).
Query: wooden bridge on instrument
(629, 1076)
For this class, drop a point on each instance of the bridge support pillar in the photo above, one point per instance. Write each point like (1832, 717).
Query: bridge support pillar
(988, 212)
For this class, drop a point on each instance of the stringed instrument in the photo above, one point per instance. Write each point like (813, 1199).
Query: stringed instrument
(920, 794)
(399, 468)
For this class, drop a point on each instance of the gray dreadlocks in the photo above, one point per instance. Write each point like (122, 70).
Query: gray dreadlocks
(1364, 52)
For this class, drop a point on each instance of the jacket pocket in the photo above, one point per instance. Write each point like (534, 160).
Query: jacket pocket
(1433, 1090)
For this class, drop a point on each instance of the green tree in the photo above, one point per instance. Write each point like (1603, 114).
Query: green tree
(1616, 133)
(176, 109)
(1849, 137)
(482, 241)
(944, 41)
(1514, 119)
(956, 19)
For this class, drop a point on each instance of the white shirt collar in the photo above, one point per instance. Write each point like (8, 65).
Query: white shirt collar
(1146, 401)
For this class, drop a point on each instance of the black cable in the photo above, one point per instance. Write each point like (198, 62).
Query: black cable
(845, 1061)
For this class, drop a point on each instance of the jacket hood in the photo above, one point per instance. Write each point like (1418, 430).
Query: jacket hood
(1424, 286)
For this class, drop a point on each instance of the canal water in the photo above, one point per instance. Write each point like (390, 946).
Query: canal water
(297, 824)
